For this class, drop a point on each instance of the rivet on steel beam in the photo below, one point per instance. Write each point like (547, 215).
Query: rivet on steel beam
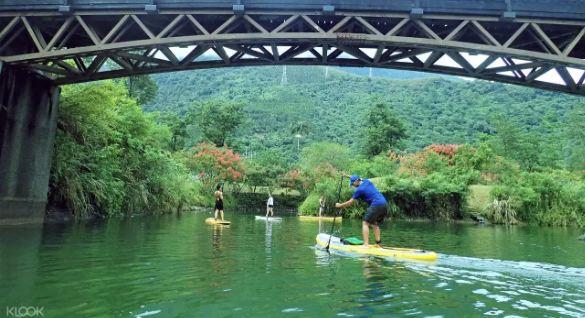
(508, 15)
(238, 9)
(151, 9)
(416, 12)
(64, 9)
(328, 9)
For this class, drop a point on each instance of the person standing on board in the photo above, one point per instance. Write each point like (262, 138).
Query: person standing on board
(218, 201)
(321, 206)
(376, 212)
(269, 205)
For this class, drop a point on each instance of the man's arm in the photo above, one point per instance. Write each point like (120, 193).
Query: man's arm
(344, 204)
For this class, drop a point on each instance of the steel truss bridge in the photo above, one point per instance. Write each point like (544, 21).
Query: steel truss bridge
(46, 43)
(533, 43)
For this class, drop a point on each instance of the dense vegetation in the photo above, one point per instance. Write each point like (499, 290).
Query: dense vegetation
(111, 157)
(433, 110)
(425, 142)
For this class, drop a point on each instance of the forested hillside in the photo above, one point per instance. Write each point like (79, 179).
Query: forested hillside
(427, 142)
(331, 104)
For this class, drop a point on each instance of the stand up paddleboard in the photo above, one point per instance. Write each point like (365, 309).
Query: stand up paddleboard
(319, 218)
(336, 244)
(218, 221)
(269, 219)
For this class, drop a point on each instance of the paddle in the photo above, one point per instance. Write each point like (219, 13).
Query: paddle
(335, 215)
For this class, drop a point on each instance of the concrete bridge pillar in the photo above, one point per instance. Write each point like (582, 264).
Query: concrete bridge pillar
(28, 120)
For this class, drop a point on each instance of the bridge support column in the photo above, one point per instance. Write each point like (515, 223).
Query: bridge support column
(28, 120)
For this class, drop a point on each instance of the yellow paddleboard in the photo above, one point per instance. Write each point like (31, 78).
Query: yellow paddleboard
(317, 218)
(397, 252)
(214, 221)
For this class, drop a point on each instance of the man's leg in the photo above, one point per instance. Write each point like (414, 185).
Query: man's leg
(376, 232)
(221, 213)
(366, 233)
(215, 215)
(267, 211)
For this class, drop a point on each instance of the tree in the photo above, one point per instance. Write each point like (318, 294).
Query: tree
(511, 142)
(299, 129)
(110, 157)
(265, 169)
(324, 160)
(575, 139)
(178, 127)
(322, 154)
(142, 88)
(214, 164)
(383, 130)
(219, 120)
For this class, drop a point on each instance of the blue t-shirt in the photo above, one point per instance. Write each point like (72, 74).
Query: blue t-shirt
(368, 192)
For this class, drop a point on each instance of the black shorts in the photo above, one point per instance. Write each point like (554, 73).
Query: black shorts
(376, 214)
(219, 205)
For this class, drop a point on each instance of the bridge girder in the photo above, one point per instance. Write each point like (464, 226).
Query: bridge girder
(94, 45)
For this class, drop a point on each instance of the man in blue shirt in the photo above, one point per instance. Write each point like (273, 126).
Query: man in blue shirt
(376, 212)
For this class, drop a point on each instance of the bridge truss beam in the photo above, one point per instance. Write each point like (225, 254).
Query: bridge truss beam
(94, 45)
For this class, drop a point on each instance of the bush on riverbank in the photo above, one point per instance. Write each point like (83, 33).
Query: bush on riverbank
(549, 198)
(258, 201)
(434, 197)
(428, 184)
(111, 158)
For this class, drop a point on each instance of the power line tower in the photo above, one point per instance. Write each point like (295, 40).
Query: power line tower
(370, 76)
(326, 71)
(283, 79)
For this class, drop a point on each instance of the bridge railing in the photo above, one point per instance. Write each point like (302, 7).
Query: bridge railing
(550, 9)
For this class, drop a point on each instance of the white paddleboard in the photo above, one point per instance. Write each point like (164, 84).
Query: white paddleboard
(269, 219)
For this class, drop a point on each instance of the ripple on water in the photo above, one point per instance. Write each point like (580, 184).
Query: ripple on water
(527, 286)
(479, 304)
(442, 284)
(495, 312)
(148, 313)
(294, 309)
(481, 291)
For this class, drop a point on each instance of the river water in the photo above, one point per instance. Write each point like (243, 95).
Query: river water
(178, 266)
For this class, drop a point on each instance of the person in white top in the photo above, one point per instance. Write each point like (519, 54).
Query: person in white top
(269, 205)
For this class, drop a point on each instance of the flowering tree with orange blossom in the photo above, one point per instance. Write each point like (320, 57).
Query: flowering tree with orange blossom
(444, 150)
(214, 164)
(295, 180)
(424, 162)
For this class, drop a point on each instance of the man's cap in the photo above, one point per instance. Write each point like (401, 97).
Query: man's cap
(353, 178)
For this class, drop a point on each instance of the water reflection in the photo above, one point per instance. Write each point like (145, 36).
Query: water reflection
(268, 237)
(323, 257)
(376, 278)
(20, 247)
(216, 236)
(268, 246)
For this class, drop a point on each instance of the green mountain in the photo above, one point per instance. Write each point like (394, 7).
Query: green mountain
(391, 74)
(333, 103)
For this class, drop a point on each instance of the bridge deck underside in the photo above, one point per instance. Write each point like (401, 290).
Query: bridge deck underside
(81, 47)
